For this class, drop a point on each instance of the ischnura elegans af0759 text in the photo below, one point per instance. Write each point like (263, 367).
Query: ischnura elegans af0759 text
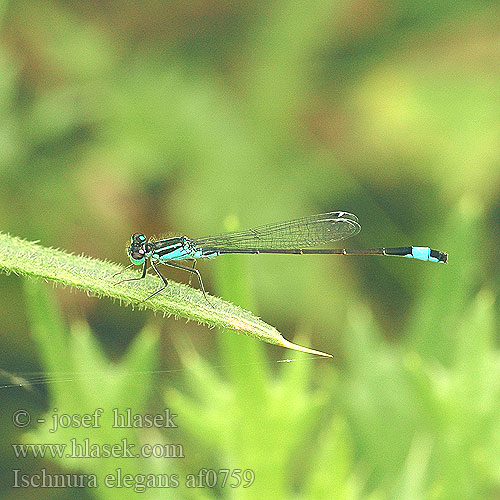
(304, 236)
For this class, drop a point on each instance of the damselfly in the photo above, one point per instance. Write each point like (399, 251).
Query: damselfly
(298, 236)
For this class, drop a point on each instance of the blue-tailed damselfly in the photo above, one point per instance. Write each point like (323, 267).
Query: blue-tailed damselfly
(298, 236)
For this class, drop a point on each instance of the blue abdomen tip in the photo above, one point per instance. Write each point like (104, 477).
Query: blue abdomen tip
(420, 253)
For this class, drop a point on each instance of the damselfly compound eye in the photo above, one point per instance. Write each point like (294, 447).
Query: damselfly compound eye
(137, 258)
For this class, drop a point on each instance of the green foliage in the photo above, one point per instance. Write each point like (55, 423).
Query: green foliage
(81, 378)
(431, 429)
(240, 419)
(118, 117)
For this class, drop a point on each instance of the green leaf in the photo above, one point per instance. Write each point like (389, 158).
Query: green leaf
(282, 421)
(96, 277)
(82, 381)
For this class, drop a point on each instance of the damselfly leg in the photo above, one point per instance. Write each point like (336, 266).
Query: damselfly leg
(165, 283)
(122, 271)
(191, 275)
(144, 269)
(194, 271)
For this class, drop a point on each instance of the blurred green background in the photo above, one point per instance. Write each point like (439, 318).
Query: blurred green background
(198, 117)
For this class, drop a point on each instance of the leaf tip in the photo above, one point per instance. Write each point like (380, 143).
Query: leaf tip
(296, 347)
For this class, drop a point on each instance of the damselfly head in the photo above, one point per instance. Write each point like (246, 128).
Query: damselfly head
(137, 250)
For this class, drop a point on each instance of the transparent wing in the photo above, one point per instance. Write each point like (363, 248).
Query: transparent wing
(305, 232)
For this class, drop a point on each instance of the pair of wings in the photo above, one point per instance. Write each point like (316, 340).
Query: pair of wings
(306, 232)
